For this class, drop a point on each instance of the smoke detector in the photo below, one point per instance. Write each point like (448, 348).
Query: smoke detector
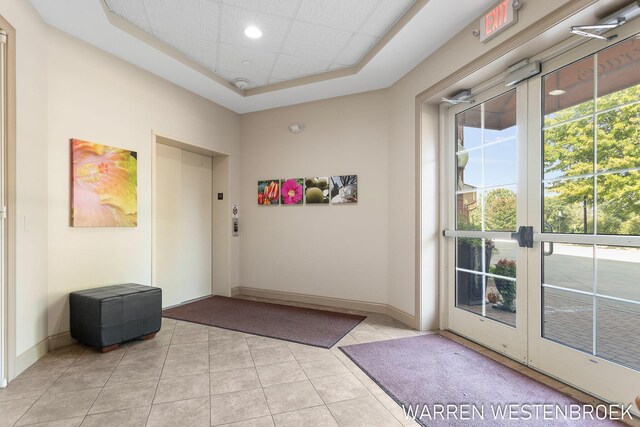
(296, 127)
(241, 84)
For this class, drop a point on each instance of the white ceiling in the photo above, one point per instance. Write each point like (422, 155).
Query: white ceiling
(429, 29)
(300, 38)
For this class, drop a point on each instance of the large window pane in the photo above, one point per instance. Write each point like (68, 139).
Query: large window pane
(470, 291)
(618, 332)
(568, 319)
(500, 209)
(469, 128)
(618, 71)
(470, 254)
(568, 92)
(501, 305)
(500, 164)
(568, 206)
(619, 203)
(469, 211)
(486, 176)
(618, 272)
(591, 185)
(569, 266)
(470, 170)
(618, 136)
(568, 149)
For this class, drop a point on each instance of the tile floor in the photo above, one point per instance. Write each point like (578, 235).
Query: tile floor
(192, 375)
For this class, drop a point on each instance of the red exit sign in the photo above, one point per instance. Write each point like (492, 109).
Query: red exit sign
(501, 16)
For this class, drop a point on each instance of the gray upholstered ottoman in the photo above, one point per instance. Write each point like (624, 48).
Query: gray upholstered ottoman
(106, 317)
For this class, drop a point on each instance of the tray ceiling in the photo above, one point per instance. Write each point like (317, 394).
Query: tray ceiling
(300, 38)
(426, 26)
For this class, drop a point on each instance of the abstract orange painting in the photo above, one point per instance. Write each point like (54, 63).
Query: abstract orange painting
(104, 190)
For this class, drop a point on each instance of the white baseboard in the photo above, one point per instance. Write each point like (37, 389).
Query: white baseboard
(48, 344)
(401, 316)
(371, 307)
(60, 340)
(31, 356)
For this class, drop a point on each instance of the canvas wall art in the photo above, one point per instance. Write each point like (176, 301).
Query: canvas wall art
(269, 192)
(344, 189)
(316, 190)
(104, 191)
(292, 191)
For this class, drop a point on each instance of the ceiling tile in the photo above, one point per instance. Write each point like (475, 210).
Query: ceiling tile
(131, 10)
(192, 18)
(385, 15)
(357, 47)
(284, 8)
(290, 67)
(347, 15)
(235, 20)
(300, 37)
(257, 72)
(201, 51)
(314, 41)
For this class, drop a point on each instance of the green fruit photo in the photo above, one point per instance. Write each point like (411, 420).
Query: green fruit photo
(316, 190)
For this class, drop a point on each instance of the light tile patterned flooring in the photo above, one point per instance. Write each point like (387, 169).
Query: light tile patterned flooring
(192, 375)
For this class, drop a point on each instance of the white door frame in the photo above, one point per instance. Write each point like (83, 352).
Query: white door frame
(607, 380)
(221, 226)
(503, 338)
(613, 382)
(8, 287)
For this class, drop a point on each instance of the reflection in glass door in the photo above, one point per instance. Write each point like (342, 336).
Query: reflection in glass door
(584, 195)
(488, 302)
(591, 180)
(560, 153)
(486, 162)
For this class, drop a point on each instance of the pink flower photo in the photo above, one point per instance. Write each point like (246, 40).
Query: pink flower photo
(291, 192)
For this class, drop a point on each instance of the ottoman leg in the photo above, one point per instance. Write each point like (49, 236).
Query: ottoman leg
(148, 337)
(109, 348)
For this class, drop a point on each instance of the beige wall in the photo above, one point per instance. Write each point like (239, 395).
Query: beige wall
(31, 170)
(461, 50)
(66, 89)
(97, 97)
(337, 251)
(265, 139)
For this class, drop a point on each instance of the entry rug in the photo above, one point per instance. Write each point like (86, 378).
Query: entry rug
(297, 324)
(444, 383)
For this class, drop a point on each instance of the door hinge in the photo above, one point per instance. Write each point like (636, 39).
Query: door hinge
(524, 236)
(3, 212)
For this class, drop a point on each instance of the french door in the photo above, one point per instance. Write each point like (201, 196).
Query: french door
(488, 197)
(558, 155)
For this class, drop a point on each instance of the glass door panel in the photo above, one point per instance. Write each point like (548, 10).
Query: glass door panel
(587, 254)
(486, 173)
(486, 176)
(591, 161)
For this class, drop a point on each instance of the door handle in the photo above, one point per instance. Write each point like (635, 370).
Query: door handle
(548, 227)
(524, 236)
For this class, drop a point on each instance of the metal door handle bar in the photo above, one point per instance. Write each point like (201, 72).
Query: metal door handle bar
(524, 236)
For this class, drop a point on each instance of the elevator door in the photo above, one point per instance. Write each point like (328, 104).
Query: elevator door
(183, 224)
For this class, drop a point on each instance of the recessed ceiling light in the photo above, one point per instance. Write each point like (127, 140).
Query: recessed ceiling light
(252, 32)
(557, 92)
(241, 83)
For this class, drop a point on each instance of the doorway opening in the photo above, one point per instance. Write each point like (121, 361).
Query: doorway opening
(191, 221)
(541, 250)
